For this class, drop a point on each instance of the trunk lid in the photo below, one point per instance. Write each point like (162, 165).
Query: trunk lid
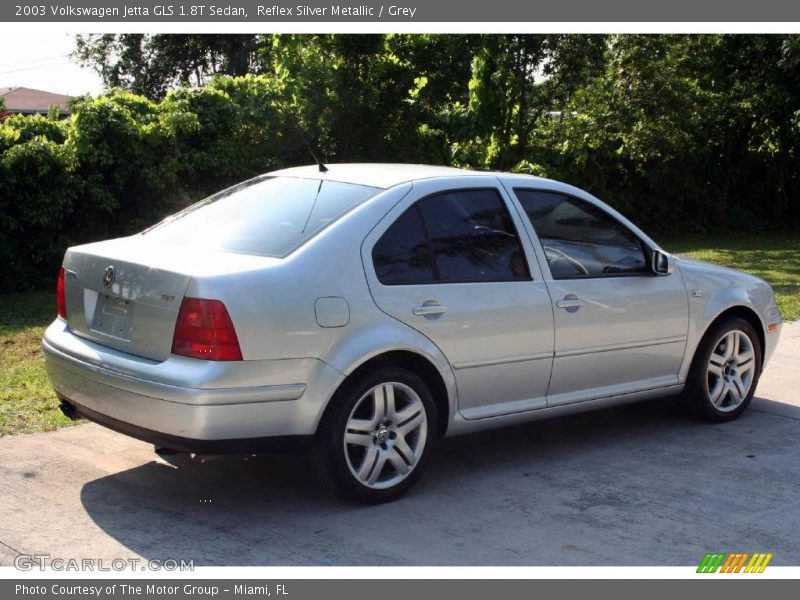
(124, 297)
(126, 293)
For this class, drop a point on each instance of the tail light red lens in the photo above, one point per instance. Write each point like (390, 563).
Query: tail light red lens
(61, 300)
(205, 330)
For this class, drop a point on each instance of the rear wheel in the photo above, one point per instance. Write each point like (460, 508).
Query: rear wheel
(725, 371)
(374, 441)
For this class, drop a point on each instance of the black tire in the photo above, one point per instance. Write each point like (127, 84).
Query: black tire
(329, 453)
(696, 393)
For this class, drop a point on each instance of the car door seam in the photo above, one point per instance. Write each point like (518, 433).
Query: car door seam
(533, 238)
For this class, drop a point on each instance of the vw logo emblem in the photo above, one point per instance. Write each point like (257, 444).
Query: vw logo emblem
(109, 276)
(382, 434)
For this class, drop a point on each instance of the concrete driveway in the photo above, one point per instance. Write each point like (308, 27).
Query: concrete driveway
(636, 485)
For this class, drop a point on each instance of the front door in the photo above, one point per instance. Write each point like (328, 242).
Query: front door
(449, 262)
(618, 327)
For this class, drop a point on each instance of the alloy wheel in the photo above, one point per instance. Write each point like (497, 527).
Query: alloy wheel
(731, 368)
(385, 435)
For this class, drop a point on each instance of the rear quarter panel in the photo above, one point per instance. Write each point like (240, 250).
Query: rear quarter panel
(273, 309)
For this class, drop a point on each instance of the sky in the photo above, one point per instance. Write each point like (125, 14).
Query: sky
(41, 62)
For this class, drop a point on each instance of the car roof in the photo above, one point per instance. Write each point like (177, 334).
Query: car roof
(376, 174)
(387, 175)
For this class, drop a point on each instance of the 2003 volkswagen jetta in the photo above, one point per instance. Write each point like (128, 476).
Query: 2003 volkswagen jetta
(365, 310)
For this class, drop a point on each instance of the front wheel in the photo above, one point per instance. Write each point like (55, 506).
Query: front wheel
(374, 442)
(725, 371)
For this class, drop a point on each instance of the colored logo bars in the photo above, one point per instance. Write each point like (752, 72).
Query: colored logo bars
(734, 562)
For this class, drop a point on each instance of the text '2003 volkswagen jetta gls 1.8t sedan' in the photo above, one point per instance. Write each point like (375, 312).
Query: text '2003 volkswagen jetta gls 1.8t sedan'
(366, 310)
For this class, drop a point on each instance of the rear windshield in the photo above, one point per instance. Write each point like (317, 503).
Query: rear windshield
(268, 216)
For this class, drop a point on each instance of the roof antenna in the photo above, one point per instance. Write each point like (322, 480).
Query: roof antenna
(320, 164)
(322, 167)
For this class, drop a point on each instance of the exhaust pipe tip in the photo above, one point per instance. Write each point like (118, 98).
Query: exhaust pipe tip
(68, 409)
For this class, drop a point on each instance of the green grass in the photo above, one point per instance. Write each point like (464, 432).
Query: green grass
(27, 402)
(773, 257)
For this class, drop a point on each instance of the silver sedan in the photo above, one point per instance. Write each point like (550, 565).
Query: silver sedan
(364, 311)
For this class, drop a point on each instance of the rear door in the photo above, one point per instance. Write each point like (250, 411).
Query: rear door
(448, 261)
(619, 328)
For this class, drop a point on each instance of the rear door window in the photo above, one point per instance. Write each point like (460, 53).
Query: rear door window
(268, 216)
(473, 237)
(403, 254)
(452, 237)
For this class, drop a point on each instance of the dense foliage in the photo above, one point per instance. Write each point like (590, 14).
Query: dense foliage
(681, 133)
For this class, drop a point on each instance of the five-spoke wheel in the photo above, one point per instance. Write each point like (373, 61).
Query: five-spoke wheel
(374, 440)
(730, 370)
(385, 435)
(725, 370)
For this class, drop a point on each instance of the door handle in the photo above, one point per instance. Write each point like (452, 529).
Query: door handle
(570, 301)
(429, 310)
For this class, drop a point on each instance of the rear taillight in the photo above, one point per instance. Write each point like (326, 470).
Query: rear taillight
(205, 330)
(61, 300)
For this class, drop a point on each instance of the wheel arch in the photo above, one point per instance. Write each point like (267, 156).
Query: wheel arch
(412, 361)
(747, 313)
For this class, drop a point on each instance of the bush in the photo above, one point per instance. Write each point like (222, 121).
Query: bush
(37, 194)
(678, 132)
(122, 162)
(29, 127)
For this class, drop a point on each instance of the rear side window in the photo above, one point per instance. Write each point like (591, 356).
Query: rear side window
(268, 216)
(403, 254)
(459, 236)
(580, 239)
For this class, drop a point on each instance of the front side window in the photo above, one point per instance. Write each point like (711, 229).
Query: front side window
(268, 216)
(452, 237)
(580, 239)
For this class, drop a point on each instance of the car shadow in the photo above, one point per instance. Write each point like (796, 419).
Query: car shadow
(777, 408)
(637, 484)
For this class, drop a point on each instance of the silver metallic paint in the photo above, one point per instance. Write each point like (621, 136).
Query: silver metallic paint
(494, 347)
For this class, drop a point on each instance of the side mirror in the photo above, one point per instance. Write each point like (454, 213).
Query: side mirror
(662, 263)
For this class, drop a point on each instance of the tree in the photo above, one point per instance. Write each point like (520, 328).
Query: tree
(674, 128)
(151, 64)
(515, 81)
(684, 131)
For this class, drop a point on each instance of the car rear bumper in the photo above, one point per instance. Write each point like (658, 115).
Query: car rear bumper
(284, 443)
(189, 404)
